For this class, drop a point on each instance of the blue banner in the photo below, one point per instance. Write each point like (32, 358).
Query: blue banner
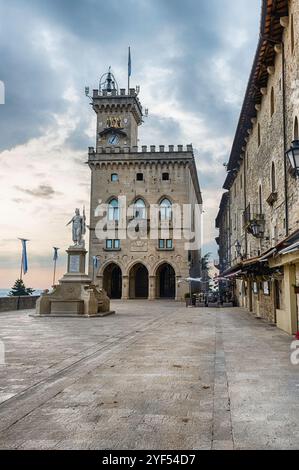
(24, 255)
(55, 257)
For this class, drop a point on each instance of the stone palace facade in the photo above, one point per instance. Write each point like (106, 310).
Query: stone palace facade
(136, 185)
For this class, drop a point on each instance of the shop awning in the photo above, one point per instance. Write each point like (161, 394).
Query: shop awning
(230, 276)
(267, 255)
(290, 249)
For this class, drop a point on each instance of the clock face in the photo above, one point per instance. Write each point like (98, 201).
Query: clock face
(113, 139)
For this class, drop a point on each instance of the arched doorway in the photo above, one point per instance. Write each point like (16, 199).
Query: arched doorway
(112, 281)
(165, 282)
(139, 282)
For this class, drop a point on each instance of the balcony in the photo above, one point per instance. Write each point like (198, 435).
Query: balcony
(254, 221)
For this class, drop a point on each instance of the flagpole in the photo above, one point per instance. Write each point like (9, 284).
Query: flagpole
(54, 274)
(21, 273)
(55, 261)
(129, 71)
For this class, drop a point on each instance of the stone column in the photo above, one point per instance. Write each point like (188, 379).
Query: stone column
(152, 288)
(181, 289)
(125, 288)
(290, 298)
(99, 281)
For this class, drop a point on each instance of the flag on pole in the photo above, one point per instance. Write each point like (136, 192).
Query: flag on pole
(129, 63)
(55, 257)
(24, 255)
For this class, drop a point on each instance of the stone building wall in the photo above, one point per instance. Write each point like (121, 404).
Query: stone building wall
(262, 156)
(265, 147)
(179, 189)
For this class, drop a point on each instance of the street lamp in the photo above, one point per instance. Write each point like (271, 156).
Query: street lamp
(293, 155)
(256, 229)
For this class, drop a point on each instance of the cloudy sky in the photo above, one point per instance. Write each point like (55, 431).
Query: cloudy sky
(192, 60)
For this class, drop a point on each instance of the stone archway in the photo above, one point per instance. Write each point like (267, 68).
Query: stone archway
(165, 282)
(138, 282)
(112, 281)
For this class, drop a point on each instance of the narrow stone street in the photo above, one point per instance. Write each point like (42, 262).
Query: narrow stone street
(154, 376)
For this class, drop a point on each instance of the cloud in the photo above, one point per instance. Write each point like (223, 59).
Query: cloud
(43, 191)
(192, 60)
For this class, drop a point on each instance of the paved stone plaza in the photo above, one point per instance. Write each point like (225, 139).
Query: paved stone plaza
(154, 376)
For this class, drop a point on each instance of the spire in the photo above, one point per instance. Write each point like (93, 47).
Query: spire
(108, 82)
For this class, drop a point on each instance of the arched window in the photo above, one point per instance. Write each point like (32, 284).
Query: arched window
(165, 209)
(292, 34)
(259, 134)
(139, 209)
(273, 178)
(296, 129)
(113, 210)
(272, 104)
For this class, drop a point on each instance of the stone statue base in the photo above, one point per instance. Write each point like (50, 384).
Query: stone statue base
(76, 295)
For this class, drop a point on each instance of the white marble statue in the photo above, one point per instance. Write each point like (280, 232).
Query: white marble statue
(78, 228)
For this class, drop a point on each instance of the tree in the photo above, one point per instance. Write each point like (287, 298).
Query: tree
(19, 289)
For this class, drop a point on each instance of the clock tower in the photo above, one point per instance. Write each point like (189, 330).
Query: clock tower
(129, 256)
(119, 113)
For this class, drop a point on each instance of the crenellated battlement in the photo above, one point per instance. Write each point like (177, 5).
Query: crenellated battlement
(115, 97)
(144, 149)
(113, 93)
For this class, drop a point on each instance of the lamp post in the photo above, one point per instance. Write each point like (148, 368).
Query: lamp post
(293, 156)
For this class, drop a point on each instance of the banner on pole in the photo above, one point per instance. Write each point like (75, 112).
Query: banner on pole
(24, 255)
(55, 257)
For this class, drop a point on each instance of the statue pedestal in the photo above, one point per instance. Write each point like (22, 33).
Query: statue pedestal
(76, 295)
(76, 266)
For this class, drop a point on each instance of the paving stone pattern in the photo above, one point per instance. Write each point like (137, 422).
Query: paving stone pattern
(154, 376)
